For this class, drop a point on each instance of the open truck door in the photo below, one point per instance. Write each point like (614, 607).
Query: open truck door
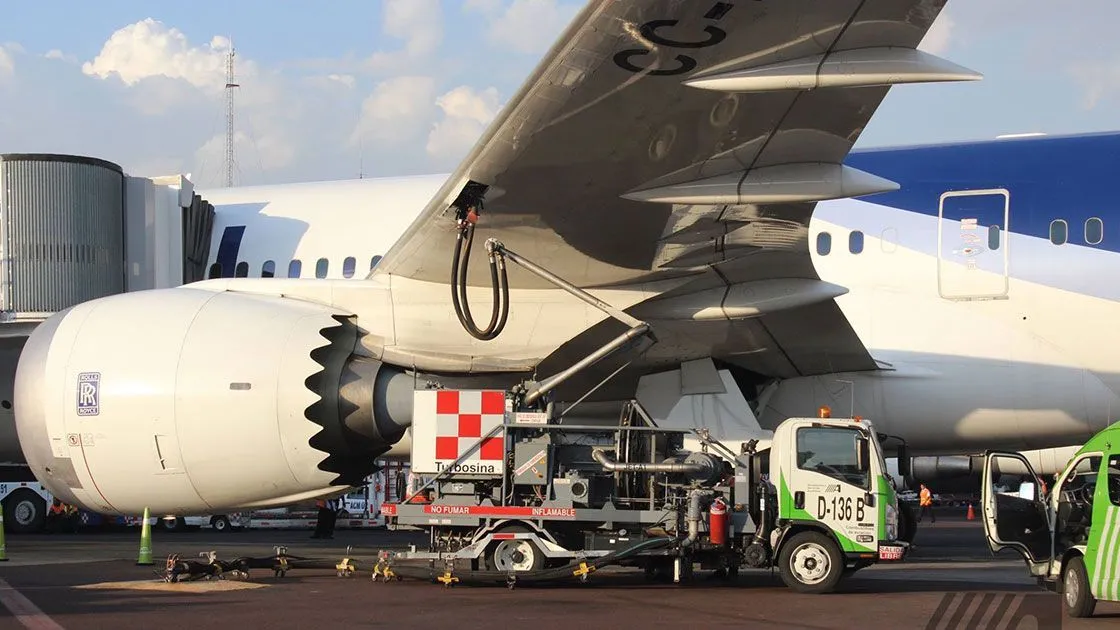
(1017, 520)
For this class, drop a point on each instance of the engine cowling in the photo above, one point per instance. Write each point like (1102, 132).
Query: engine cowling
(189, 401)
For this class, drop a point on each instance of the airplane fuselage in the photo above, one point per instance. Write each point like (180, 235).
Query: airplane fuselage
(986, 336)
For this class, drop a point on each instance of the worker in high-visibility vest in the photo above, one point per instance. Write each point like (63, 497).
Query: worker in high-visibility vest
(925, 501)
(55, 516)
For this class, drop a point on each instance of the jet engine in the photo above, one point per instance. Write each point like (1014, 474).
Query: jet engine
(188, 400)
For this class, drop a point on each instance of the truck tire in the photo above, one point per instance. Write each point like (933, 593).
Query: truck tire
(25, 512)
(515, 555)
(220, 523)
(1079, 600)
(173, 524)
(810, 562)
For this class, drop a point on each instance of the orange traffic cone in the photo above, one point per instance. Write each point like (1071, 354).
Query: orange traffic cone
(971, 513)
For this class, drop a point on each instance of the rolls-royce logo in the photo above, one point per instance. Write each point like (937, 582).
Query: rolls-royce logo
(89, 390)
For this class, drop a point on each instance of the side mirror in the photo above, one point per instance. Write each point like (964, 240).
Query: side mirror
(1027, 491)
(863, 455)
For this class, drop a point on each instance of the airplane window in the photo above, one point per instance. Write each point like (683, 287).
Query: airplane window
(1094, 231)
(373, 262)
(321, 268)
(241, 270)
(268, 270)
(216, 270)
(1059, 231)
(294, 268)
(855, 242)
(824, 243)
(993, 237)
(348, 267)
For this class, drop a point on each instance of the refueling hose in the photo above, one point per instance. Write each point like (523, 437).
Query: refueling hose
(498, 279)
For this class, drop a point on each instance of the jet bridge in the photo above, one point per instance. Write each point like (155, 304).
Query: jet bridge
(76, 228)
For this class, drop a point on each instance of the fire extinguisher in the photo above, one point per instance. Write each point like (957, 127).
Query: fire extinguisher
(717, 522)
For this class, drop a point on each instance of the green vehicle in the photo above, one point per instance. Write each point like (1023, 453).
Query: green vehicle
(1069, 536)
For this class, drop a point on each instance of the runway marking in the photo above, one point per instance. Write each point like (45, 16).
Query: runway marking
(25, 612)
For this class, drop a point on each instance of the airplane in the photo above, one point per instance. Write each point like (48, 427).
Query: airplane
(689, 166)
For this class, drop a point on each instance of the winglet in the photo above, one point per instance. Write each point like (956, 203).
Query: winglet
(861, 67)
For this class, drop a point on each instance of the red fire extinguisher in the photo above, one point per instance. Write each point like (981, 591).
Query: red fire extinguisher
(717, 522)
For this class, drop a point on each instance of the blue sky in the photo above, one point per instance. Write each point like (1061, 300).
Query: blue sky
(406, 86)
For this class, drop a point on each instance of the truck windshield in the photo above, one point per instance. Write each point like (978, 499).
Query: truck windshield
(831, 451)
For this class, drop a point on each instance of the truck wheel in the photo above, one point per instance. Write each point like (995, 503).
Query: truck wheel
(811, 563)
(515, 555)
(24, 512)
(220, 523)
(1075, 583)
(173, 524)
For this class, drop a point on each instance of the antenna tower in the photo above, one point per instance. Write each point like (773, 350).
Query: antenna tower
(230, 85)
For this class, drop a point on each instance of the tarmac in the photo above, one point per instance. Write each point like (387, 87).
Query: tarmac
(90, 580)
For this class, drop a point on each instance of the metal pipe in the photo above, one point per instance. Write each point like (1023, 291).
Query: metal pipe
(493, 245)
(608, 464)
(552, 382)
(594, 428)
(693, 517)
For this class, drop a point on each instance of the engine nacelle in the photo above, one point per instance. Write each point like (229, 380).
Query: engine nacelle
(188, 401)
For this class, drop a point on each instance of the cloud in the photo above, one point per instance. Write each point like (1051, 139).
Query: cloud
(482, 6)
(939, 34)
(152, 99)
(272, 151)
(1098, 81)
(345, 79)
(419, 23)
(7, 64)
(150, 49)
(55, 53)
(528, 26)
(466, 112)
(395, 111)
(422, 20)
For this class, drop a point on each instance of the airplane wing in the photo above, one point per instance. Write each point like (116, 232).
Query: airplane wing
(673, 138)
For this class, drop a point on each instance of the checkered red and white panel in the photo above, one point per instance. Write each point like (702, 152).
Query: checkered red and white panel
(462, 417)
(447, 424)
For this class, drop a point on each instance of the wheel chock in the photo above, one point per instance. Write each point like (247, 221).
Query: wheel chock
(346, 568)
(447, 579)
(384, 570)
(583, 571)
(280, 568)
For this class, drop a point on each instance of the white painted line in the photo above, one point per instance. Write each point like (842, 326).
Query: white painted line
(24, 611)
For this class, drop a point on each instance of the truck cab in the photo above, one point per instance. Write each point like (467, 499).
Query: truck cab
(1068, 532)
(836, 504)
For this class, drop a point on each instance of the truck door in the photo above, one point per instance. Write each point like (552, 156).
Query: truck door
(1102, 556)
(831, 483)
(1018, 520)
